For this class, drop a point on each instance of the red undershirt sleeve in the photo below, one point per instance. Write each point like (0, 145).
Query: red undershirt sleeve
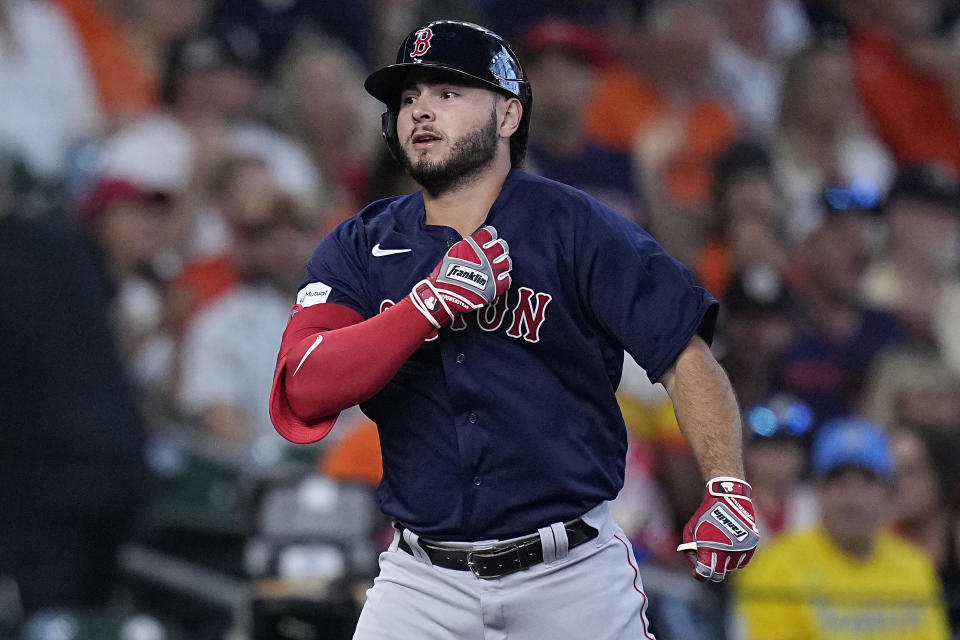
(331, 359)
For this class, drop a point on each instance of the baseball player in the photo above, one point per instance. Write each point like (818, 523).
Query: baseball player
(490, 368)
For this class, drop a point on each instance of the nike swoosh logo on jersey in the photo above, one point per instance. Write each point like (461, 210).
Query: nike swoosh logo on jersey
(379, 253)
(315, 344)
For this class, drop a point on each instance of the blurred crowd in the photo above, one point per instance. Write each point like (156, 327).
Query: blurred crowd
(168, 166)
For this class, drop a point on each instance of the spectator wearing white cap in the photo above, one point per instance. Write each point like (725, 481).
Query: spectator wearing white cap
(213, 87)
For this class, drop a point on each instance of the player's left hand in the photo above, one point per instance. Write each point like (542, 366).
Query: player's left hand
(722, 535)
(472, 273)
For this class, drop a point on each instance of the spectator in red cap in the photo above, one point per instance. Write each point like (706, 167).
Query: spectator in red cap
(127, 223)
(562, 61)
(131, 228)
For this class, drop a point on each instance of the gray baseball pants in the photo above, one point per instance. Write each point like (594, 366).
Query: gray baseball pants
(592, 592)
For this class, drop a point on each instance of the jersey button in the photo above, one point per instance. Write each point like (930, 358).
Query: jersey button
(477, 481)
(472, 418)
(460, 358)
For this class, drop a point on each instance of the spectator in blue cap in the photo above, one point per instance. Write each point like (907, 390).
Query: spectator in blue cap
(849, 577)
(851, 460)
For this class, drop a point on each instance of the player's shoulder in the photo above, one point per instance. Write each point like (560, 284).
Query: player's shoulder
(560, 202)
(544, 191)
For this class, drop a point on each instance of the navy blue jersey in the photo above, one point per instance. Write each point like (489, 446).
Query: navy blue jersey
(828, 374)
(507, 420)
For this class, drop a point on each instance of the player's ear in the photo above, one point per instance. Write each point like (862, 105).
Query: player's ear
(511, 113)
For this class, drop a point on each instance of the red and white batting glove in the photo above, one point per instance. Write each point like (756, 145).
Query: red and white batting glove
(722, 535)
(472, 274)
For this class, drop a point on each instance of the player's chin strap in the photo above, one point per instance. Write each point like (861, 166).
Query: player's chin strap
(388, 128)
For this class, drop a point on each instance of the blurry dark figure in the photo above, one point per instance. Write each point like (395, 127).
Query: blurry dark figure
(917, 275)
(71, 442)
(755, 330)
(837, 334)
(510, 19)
(950, 573)
(919, 512)
(745, 227)
(276, 23)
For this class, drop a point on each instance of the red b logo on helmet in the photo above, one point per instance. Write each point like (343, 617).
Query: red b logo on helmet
(422, 44)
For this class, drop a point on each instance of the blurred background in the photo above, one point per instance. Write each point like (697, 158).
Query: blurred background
(167, 167)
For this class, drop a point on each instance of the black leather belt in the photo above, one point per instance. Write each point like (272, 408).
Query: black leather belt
(498, 560)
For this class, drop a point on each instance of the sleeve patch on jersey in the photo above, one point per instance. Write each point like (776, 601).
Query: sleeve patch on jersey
(313, 293)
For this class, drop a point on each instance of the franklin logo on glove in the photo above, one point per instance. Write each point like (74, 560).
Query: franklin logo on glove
(725, 518)
(467, 275)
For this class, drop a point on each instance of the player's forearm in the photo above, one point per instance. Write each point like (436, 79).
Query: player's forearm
(326, 372)
(706, 410)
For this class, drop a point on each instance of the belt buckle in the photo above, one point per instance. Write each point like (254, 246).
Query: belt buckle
(473, 568)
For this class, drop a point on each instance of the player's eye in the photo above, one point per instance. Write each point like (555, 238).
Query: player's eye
(447, 94)
(407, 100)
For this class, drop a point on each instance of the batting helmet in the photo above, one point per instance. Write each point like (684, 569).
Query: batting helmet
(463, 49)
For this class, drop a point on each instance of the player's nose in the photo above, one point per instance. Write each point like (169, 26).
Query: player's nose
(422, 112)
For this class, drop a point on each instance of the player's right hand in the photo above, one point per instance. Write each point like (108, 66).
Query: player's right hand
(473, 273)
(722, 535)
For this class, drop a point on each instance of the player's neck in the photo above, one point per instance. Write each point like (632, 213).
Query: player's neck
(465, 207)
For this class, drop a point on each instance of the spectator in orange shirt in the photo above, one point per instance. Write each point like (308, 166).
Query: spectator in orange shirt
(661, 104)
(125, 48)
(908, 79)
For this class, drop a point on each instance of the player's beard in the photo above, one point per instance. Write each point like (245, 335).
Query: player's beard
(469, 156)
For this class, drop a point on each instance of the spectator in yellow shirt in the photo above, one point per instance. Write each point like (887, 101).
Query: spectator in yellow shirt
(848, 578)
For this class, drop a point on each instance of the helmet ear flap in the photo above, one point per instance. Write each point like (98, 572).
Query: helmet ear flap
(388, 128)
